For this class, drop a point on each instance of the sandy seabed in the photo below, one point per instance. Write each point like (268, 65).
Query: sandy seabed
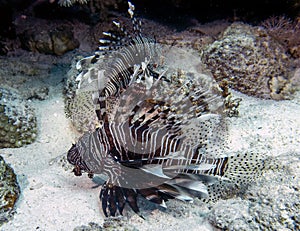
(52, 198)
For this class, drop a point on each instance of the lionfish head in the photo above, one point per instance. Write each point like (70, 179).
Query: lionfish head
(75, 159)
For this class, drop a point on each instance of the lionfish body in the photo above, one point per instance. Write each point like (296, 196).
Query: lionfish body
(164, 139)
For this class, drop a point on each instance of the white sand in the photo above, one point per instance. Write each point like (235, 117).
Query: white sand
(54, 199)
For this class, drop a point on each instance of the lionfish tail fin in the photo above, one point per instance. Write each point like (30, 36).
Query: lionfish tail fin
(236, 174)
(245, 168)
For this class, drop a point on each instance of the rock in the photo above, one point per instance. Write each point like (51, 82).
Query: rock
(63, 40)
(9, 191)
(232, 214)
(12, 67)
(109, 224)
(18, 124)
(90, 227)
(28, 77)
(250, 61)
(52, 39)
(40, 93)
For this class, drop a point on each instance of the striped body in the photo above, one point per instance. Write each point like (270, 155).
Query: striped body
(140, 145)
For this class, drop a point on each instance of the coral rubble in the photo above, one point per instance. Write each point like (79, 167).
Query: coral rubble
(250, 61)
(9, 191)
(17, 120)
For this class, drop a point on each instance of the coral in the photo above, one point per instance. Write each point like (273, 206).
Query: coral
(250, 61)
(285, 31)
(71, 2)
(17, 120)
(9, 191)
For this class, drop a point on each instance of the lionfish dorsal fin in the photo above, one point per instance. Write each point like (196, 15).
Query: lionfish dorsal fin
(135, 22)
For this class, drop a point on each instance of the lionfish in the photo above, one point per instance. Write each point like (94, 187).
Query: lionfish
(164, 139)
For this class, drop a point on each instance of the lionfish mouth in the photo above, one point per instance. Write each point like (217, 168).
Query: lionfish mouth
(72, 156)
(75, 159)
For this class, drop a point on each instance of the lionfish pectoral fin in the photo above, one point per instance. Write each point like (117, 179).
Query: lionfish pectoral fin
(178, 155)
(174, 191)
(152, 194)
(191, 167)
(163, 204)
(155, 169)
(112, 199)
(103, 197)
(200, 167)
(186, 186)
(193, 187)
(206, 179)
(131, 199)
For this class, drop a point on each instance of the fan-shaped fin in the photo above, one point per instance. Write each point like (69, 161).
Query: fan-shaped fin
(245, 167)
(114, 198)
(131, 199)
